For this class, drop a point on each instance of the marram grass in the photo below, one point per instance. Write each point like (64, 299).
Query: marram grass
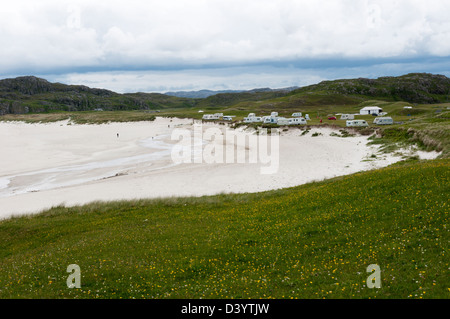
(311, 241)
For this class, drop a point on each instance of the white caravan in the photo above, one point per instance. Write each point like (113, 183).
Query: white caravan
(383, 120)
(297, 114)
(298, 121)
(252, 118)
(283, 121)
(291, 121)
(356, 123)
(216, 116)
(347, 117)
(228, 117)
(272, 119)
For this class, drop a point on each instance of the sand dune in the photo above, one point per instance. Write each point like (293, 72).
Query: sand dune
(45, 165)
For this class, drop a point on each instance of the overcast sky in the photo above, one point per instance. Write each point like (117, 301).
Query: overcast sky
(164, 45)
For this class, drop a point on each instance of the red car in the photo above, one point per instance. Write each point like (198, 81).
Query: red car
(332, 117)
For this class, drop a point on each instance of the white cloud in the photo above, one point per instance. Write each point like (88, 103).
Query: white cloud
(72, 35)
(234, 78)
(243, 78)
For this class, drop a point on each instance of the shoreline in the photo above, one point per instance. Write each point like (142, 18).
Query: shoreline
(78, 164)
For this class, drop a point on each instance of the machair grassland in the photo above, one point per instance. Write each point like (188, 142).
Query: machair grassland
(310, 241)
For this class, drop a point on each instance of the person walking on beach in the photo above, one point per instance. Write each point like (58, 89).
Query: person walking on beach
(117, 135)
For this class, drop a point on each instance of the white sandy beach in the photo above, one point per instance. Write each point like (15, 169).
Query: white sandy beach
(45, 165)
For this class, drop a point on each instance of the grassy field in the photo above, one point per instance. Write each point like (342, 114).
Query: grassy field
(311, 241)
(82, 117)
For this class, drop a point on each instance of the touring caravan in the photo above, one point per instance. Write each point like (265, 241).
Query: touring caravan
(291, 121)
(283, 121)
(272, 119)
(356, 123)
(216, 116)
(297, 121)
(347, 117)
(383, 120)
(228, 117)
(252, 118)
(297, 114)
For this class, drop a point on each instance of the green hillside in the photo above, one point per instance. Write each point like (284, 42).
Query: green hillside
(413, 88)
(34, 95)
(311, 241)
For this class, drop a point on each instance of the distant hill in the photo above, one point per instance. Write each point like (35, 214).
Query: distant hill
(201, 94)
(207, 93)
(31, 94)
